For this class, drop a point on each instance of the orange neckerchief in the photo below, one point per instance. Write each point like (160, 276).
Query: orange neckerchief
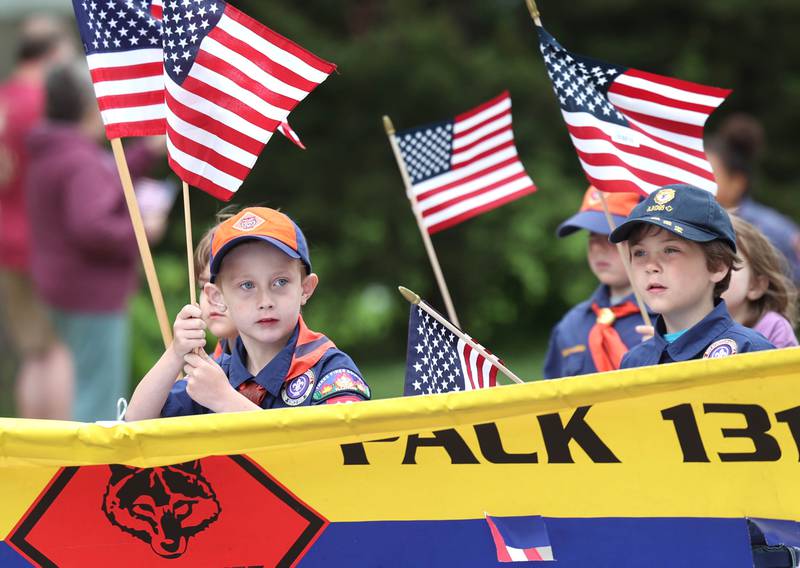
(605, 344)
(308, 350)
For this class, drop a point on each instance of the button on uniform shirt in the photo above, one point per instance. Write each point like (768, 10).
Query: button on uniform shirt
(716, 335)
(568, 352)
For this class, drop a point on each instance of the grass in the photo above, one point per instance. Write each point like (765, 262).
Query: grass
(385, 378)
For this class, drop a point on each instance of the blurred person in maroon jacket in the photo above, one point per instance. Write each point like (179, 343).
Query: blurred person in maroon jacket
(44, 379)
(84, 258)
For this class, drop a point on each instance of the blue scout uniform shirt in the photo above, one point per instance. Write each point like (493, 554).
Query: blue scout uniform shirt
(568, 352)
(335, 374)
(716, 335)
(779, 229)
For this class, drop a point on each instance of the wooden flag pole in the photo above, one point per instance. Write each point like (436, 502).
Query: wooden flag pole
(141, 241)
(417, 301)
(534, 11)
(187, 221)
(622, 248)
(426, 238)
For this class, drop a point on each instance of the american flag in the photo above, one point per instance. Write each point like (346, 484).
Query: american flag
(230, 82)
(439, 361)
(520, 539)
(632, 130)
(123, 49)
(462, 167)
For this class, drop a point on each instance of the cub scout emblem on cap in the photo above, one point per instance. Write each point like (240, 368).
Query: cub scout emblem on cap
(249, 222)
(721, 348)
(296, 391)
(664, 196)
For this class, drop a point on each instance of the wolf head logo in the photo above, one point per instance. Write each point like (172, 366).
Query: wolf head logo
(163, 506)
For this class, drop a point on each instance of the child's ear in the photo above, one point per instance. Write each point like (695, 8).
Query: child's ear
(309, 284)
(758, 286)
(215, 297)
(720, 273)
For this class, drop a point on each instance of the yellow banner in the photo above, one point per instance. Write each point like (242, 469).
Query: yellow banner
(708, 438)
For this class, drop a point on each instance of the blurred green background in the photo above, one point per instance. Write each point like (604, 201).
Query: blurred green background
(420, 61)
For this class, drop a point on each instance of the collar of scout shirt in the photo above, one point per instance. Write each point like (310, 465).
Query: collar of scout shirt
(272, 376)
(602, 297)
(697, 338)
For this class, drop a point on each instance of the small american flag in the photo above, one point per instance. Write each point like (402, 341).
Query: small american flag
(439, 361)
(632, 130)
(462, 167)
(123, 49)
(520, 539)
(230, 82)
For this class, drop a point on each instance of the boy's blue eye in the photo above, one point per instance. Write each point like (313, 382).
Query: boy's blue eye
(638, 253)
(281, 282)
(247, 285)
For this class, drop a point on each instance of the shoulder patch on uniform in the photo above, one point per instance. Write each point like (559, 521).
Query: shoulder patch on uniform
(721, 348)
(338, 382)
(296, 391)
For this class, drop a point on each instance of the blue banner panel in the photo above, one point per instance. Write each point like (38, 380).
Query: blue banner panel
(577, 543)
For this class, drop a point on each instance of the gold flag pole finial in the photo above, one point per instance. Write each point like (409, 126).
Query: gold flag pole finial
(387, 125)
(409, 295)
(534, 12)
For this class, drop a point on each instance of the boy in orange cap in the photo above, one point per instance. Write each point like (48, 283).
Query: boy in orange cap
(261, 277)
(594, 335)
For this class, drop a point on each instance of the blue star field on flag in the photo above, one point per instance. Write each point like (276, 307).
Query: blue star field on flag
(186, 23)
(116, 25)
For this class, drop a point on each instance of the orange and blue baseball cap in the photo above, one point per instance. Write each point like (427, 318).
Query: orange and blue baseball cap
(591, 215)
(258, 224)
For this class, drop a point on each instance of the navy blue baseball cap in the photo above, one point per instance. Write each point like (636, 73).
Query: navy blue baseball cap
(591, 215)
(686, 210)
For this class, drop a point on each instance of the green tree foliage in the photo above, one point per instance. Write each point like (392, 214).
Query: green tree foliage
(420, 61)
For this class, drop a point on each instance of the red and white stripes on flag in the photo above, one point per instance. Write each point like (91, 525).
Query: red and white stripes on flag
(632, 130)
(462, 167)
(479, 373)
(157, 9)
(228, 91)
(123, 51)
(130, 91)
(286, 129)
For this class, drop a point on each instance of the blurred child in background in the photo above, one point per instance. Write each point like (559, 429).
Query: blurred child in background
(217, 320)
(761, 296)
(594, 335)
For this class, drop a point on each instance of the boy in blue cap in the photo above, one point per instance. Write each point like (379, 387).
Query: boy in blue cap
(261, 277)
(595, 334)
(683, 249)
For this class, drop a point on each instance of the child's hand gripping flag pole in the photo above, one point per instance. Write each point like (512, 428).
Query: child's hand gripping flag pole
(473, 357)
(458, 168)
(230, 83)
(123, 51)
(632, 130)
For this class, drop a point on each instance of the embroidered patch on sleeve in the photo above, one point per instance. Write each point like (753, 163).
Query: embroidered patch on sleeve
(338, 382)
(721, 348)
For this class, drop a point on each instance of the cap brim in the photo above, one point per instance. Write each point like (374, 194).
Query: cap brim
(685, 230)
(217, 260)
(593, 221)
